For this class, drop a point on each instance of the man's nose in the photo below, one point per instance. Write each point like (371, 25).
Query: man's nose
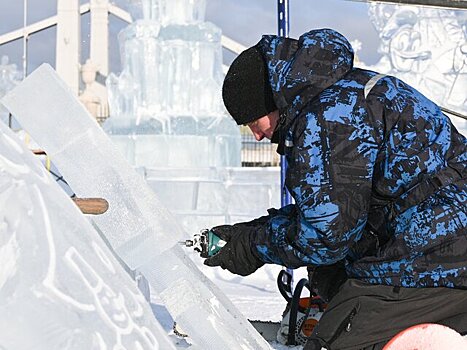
(258, 135)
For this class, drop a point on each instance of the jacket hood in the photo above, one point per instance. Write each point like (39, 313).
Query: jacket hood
(300, 69)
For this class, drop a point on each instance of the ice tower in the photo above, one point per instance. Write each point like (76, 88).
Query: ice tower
(165, 106)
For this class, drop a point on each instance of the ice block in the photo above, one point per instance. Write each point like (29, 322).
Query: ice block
(140, 229)
(60, 285)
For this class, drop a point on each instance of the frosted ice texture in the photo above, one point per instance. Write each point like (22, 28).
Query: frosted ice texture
(9, 78)
(60, 286)
(172, 11)
(165, 106)
(140, 229)
(427, 48)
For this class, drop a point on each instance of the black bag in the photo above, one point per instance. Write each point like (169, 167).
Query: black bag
(365, 316)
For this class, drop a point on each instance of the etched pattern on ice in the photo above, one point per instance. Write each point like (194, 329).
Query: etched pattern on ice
(60, 286)
(427, 48)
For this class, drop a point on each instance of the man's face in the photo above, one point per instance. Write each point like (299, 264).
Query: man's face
(264, 126)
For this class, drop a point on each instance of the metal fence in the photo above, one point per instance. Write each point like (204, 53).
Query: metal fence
(258, 153)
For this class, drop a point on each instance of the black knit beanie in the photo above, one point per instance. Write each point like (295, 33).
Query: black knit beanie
(246, 91)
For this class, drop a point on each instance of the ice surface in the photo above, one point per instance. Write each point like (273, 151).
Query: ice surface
(60, 285)
(140, 229)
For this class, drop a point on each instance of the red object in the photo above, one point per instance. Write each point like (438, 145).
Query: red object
(427, 336)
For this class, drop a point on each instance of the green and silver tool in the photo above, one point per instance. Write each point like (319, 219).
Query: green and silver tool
(206, 243)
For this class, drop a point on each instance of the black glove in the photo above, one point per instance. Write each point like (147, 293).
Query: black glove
(326, 280)
(237, 255)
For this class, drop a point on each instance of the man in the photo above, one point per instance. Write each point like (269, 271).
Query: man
(378, 177)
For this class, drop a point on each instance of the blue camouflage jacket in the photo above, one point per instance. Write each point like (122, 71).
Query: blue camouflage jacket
(376, 170)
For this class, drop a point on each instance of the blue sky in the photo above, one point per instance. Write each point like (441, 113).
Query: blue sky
(242, 20)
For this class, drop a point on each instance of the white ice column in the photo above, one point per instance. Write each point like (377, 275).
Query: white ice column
(68, 42)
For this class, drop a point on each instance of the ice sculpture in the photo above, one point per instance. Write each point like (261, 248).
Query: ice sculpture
(139, 228)
(427, 48)
(60, 286)
(9, 78)
(165, 106)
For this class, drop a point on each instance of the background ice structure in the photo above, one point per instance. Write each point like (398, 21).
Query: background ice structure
(168, 119)
(9, 78)
(166, 105)
(427, 48)
(60, 285)
(141, 231)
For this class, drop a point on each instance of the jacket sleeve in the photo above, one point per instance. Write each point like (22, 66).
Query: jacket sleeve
(330, 178)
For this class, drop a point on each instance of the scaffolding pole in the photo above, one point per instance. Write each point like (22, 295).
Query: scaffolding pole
(283, 30)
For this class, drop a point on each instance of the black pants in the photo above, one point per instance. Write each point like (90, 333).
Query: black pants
(365, 317)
